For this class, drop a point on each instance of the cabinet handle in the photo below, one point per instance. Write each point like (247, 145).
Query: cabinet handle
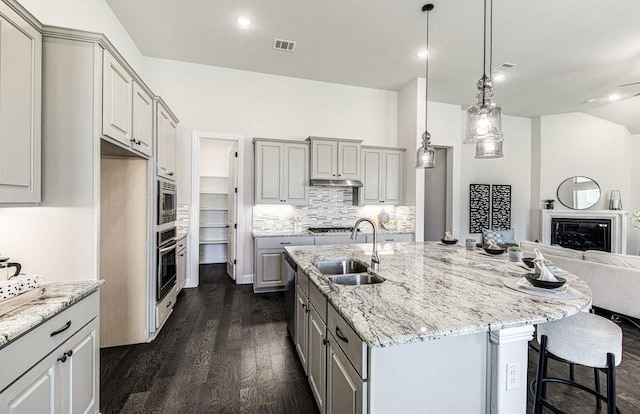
(64, 328)
(388, 239)
(325, 341)
(307, 310)
(339, 175)
(133, 140)
(168, 304)
(340, 336)
(304, 305)
(64, 356)
(334, 175)
(285, 243)
(171, 173)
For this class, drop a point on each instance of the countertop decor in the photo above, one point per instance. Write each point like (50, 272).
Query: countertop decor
(433, 291)
(58, 297)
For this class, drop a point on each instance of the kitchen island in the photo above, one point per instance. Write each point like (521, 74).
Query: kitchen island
(442, 333)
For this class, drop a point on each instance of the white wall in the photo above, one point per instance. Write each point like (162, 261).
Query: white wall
(214, 157)
(89, 15)
(632, 201)
(513, 169)
(249, 104)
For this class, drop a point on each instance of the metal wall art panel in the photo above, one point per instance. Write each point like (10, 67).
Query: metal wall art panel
(479, 207)
(500, 207)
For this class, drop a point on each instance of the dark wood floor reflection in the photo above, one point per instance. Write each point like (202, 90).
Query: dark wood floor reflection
(226, 350)
(223, 350)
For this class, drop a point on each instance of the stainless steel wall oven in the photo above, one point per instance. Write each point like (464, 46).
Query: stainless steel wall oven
(167, 268)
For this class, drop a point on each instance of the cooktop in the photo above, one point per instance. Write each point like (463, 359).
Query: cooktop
(331, 229)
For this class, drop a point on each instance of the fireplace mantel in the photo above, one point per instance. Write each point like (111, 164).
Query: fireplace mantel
(618, 224)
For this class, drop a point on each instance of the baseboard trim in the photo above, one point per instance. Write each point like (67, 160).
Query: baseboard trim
(244, 279)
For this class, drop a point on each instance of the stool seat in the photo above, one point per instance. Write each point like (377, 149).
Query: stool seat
(584, 338)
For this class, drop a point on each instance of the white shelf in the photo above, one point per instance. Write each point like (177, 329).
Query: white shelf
(213, 241)
(215, 193)
(213, 225)
(213, 209)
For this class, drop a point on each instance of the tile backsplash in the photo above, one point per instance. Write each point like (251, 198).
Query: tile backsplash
(328, 206)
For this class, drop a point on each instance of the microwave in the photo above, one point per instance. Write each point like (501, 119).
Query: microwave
(167, 202)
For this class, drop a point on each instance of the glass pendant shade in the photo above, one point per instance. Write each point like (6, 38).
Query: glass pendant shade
(426, 156)
(484, 119)
(489, 148)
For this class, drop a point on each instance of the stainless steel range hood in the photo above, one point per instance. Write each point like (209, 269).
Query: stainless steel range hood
(335, 183)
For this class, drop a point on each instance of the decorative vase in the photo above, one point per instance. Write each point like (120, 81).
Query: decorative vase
(297, 227)
(515, 256)
(471, 244)
(615, 202)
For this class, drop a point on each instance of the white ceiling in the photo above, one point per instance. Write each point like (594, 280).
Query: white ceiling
(567, 51)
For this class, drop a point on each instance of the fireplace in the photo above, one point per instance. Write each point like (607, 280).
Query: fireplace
(581, 229)
(581, 233)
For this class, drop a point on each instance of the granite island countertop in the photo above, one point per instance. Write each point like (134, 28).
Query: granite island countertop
(58, 297)
(306, 233)
(433, 291)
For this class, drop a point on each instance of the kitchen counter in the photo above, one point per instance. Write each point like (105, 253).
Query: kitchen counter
(306, 233)
(432, 292)
(58, 297)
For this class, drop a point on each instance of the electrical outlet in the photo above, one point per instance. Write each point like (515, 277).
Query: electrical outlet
(513, 376)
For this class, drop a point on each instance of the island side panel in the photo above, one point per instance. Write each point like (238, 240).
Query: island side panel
(448, 375)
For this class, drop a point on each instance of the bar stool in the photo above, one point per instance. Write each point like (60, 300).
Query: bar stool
(585, 339)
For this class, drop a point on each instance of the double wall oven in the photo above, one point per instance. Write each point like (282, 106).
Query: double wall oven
(166, 238)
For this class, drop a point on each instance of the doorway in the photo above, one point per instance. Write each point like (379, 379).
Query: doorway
(436, 197)
(215, 202)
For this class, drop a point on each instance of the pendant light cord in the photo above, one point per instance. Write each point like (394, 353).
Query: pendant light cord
(426, 86)
(491, 40)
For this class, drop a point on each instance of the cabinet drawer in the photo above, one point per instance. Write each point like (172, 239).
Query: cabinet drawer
(23, 353)
(302, 280)
(349, 342)
(181, 244)
(391, 238)
(275, 242)
(164, 308)
(318, 301)
(320, 240)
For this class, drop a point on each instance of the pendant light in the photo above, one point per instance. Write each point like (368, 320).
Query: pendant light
(426, 153)
(484, 119)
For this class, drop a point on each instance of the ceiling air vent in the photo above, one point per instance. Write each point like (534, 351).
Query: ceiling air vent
(506, 66)
(286, 45)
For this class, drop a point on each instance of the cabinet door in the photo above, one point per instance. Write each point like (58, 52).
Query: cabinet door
(324, 159)
(348, 161)
(34, 392)
(20, 103)
(142, 135)
(302, 327)
(181, 272)
(268, 173)
(172, 147)
(371, 192)
(317, 357)
(346, 392)
(269, 269)
(392, 177)
(117, 97)
(166, 131)
(79, 372)
(296, 174)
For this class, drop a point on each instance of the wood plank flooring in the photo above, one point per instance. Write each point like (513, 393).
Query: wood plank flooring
(223, 350)
(227, 350)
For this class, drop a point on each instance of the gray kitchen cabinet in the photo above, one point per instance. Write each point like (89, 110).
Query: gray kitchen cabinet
(302, 327)
(142, 127)
(269, 257)
(391, 238)
(20, 107)
(341, 239)
(127, 108)
(317, 347)
(166, 130)
(281, 172)
(117, 98)
(382, 175)
(335, 159)
(65, 376)
(346, 391)
(181, 262)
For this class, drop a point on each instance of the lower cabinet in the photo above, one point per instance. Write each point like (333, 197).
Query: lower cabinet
(302, 327)
(317, 357)
(391, 238)
(64, 381)
(181, 264)
(269, 261)
(346, 391)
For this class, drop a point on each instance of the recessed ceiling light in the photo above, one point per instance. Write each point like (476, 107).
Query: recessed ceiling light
(614, 97)
(422, 54)
(499, 77)
(244, 21)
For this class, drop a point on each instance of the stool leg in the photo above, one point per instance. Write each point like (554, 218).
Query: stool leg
(542, 361)
(596, 377)
(611, 383)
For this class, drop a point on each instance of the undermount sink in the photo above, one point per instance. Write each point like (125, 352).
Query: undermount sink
(356, 279)
(341, 267)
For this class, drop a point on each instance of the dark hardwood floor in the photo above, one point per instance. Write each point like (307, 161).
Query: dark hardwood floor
(223, 350)
(227, 350)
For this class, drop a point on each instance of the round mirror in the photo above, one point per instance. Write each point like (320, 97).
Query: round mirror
(578, 192)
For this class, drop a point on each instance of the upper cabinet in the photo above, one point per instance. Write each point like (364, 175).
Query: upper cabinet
(383, 176)
(167, 137)
(281, 172)
(20, 108)
(335, 159)
(127, 108)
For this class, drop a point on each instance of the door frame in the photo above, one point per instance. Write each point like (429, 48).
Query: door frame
(193, 275)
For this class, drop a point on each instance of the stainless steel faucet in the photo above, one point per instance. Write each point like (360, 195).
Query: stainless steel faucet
(375, 260)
